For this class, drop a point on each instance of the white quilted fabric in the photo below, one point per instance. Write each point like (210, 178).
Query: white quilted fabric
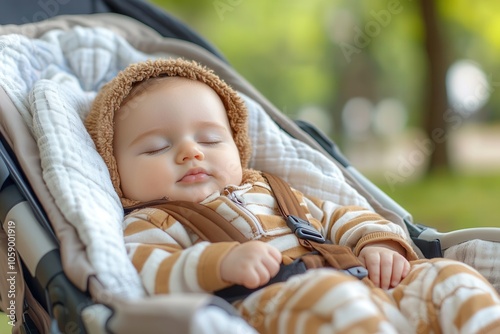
(481, 255)
(53, 91)
(52, 81)
(306, 169)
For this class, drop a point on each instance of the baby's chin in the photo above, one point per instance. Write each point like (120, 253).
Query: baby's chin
(195, 196)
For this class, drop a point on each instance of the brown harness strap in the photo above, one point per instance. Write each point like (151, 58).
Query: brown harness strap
(336, 256)
(206, 223)
(287, 202)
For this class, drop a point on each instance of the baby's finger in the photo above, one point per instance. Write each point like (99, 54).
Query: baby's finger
(251, 280)
(406, 269)
(275, 253)
(373, 267)
(398, 268)
(263, 274)
(386, 264)
(257, 276)
(272, 265)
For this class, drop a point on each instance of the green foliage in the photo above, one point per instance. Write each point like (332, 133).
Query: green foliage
(448, 202)
(291, 50)
(473, 28)
(277, 46)
(4, 326)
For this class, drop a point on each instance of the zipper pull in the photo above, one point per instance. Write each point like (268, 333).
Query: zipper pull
(234, 197)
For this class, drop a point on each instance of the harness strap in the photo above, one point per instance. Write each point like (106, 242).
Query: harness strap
(336, 256)
(287, 202)
(206, 223)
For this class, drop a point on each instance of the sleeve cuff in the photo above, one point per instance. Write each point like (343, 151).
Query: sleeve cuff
(385, 236)
(209, 266)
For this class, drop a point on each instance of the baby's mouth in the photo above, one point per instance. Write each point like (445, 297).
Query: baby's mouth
(194, 175)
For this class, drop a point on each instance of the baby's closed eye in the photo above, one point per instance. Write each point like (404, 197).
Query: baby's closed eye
(157, 151)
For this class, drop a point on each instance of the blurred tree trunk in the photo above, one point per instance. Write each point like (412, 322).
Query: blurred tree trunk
(437, 103)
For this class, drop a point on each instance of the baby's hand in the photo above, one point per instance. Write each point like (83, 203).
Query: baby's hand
(251, 264)
(386, 266)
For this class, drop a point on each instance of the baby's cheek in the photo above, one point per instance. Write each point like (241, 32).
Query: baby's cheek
(150, 183)
(231, 173)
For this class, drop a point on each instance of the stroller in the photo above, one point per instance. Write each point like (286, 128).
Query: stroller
(66, 271)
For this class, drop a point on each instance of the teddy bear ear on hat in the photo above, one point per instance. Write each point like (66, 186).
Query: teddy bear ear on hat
(99, 122)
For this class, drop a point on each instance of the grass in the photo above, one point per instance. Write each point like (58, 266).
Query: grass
(448, 201)
(4, 326)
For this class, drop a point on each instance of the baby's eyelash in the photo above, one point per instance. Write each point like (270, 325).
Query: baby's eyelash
(157, 151)
(212, 142)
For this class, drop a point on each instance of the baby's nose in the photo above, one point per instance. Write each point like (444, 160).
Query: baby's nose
(190, 150)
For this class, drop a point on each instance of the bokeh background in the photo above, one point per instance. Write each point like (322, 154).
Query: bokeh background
(407, 89)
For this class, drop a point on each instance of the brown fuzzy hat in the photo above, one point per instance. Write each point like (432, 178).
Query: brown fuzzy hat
(100, 120)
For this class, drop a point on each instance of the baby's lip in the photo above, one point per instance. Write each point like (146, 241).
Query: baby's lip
(194, 175)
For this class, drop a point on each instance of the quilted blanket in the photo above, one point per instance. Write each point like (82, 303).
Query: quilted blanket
(52, 81)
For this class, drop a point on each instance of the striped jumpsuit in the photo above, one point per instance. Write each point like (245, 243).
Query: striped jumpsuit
(437, 296)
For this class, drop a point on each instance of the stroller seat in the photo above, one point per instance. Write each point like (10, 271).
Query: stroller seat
(53, 177)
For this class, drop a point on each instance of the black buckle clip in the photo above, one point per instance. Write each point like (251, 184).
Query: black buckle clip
(303, 229)
(359, 272)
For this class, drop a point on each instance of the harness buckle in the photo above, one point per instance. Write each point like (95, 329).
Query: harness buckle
(303, 229)
(359, 272)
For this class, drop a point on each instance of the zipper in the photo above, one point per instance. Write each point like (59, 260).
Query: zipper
(241, 204)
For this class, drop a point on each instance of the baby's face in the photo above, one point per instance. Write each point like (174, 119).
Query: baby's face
(174, 140)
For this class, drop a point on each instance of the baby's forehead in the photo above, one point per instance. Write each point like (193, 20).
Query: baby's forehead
(141, 87)
(164, 82)
(172, 94)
